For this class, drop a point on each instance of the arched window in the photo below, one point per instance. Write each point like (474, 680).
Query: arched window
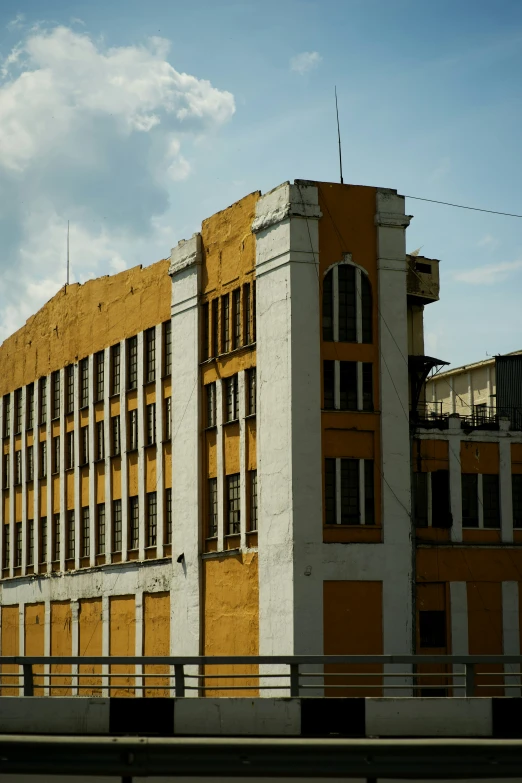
(347, 305)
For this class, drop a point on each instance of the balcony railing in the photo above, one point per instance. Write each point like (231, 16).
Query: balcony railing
(304, 675)
(434, 415)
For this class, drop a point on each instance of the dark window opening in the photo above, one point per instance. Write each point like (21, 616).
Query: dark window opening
(432, 628)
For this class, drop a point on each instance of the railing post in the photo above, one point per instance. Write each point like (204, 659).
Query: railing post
(294, 679)
(179, 679)
(470, 679)
(28, 679)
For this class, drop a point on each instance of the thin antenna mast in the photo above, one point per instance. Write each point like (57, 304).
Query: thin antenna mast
(339, 137)
(68, 264)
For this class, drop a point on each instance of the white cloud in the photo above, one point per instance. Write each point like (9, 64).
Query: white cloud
(488, 241)
(487, 275)
(99, 136)
(16, 23)
(304, 62)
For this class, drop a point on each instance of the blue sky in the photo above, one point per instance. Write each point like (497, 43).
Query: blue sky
(135, 120)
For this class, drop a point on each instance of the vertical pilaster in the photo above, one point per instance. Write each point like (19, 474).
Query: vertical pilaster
(141, 449)
(160, 436)
(63, 495)
(36, 482)
(77, 473)
(24, 479)
(220, 458)
(506, 496)
(108, 450)
(12, 478)
(455, 478)
(92, 465)
(124, 456)
(48, 435)
(243, 510)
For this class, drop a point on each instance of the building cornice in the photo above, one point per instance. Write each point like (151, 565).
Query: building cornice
(392, 220)
(187, 253)
(298, 200)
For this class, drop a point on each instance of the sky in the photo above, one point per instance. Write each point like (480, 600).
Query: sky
(135, 120)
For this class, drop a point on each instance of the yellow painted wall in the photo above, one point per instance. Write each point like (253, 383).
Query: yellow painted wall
(90, 643)
(10, 646)
(34, 629)
(133, 473)
(116, 478)
(156, 639)
(430, 455)
(231, 616)
(479, 457)
(61, 644)
(231, 448)
(167, 465)
(122, 641)
(352, 625)
(82, 319)
(151, 477)
(485, 629)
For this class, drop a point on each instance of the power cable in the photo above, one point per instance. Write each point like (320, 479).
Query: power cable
(462, 206)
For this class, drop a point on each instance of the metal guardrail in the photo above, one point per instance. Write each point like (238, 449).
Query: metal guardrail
(430, 414)
(295, 675)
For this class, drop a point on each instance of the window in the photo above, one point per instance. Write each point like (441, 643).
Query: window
(349, 492)
(71, 534)
(150, 355)
(18, 544)
(232, 398)
(100, 440)
(167, 348)
(470, 517)
(225, 323)
(18, 467)
(205, 332)
(117, 526)
(152, 519)
(115, 369)
(69, 380)
(43, 400)
(481, 413)
(84, 445)
(7, 545)
(116, 440)
(6, 471)
(367, 386)
(134, 523)
(491, 500)
(30, 406)
(347, 305)
(151, 424)
(56, 537)
(167, 418)
(251, 391)
(69, 450)
(431, 499)
(99, 362)
(347, 386)
(247, 332)
(133, 430)
(18, 410)
(30, 464)
(7, 415)
(100, 529)
(86, 532)
(132, 363)
(211, 404)
(56, 454)
(236, 314)
(420, 499)
(43, 539)
(30, 542)
(253, 500)
(212, 508)
(168, 516)
(516, 488)
(84, 383)
(233, 508)
(215, 327)
(432, 628)
(43, 459)
(55, 398)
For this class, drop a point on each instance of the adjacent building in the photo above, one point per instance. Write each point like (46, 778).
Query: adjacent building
(232, 452)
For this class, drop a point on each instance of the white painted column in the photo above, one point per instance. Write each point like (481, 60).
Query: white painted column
(124, 456)
(506, 496)
(63, 501)
(220, 460)
(511, 635)
(185, 270)
(92, 466)
(36, 483)
(471, 395)
(243, 513)
(391, 222)
(160, 433)
(12, 477)
(452, 395)
(289, 461)
(459, 630)
(24, 479)
(77, 474)
(455, 478)
(108, 451)
(48, 393)
(142, 498)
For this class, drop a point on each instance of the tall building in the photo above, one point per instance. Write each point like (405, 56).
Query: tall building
(216, 454)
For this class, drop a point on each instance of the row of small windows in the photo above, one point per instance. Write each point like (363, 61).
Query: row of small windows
(347, 305)
(151, 531)
(231, 398)
(348, 386)
(99, 445)
(480, 500)
(232, 505)
(131, 344)
(229, 322)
